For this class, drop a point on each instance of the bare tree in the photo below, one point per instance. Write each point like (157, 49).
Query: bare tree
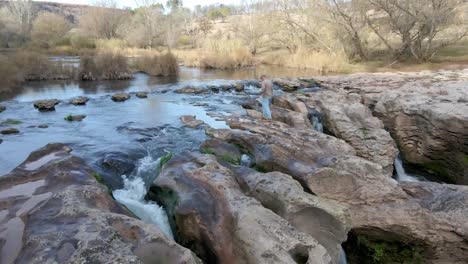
(49, 27)
(103, 20)
(418, 24)
(23, 13)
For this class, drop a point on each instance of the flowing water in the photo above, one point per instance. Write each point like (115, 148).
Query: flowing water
(402, 175)
(134, 191)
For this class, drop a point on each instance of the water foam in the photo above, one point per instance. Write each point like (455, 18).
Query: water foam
(134, 191)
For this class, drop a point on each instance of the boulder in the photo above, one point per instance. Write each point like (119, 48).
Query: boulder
(191, 90)
(426, 113)
(223, 225)
(80, 100)
(239, 87)
(191, 121)
(323, 219)
(287, 85)
(120, 97)
(54, 211)
(344, 116)
(9, 131)
(46, 105)
(431, 129)
(43, 126)
(223, 150)
(2, 108)
(142, 94)
(118, 163)
(72, 118)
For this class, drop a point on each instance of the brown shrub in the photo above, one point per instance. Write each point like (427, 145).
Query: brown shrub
(8, 73)
(104, 66)
(158, 65)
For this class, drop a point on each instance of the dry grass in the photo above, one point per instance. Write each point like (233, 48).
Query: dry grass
(158, 65)
(308, 59)
(8, 73)
(218, 54)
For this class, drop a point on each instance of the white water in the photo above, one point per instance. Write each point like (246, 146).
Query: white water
(134, 192)
(342, 259)
(318, 126)
(246, 161)
(402, 176)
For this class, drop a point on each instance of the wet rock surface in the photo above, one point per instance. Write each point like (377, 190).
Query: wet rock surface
(46, 105)
(9, 131)
(76, 118)
(191, 90)
(121, 97)
(54, 211)
(80, 100)
(2, 108)
(191, 121)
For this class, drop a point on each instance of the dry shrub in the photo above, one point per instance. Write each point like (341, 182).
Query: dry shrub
(104, 66)
(8, 73)
(158, 65)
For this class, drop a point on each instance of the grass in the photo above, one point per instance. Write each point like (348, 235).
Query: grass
(68, 118)
(158, 65)
(12, 122)
(105, 66)
(165, 159)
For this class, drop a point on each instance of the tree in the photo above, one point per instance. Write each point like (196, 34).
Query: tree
(418, 25)
(23, 13)
(49, 27)
(103, 20)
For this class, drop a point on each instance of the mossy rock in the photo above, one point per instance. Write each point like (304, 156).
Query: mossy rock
(12, 122)
(223, 150)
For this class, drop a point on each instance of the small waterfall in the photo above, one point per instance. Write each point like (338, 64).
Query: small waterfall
(246, 161)
(315, 118)
(401, 174)
(342, 259)
(134, 191)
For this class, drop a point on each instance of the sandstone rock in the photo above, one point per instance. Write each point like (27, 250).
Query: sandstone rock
(225, 151)
(2, 108)
(325, 220)
(191, 90)
(9, 131)
(80, 100)
(223, 225)
(120, 97)
(46, 105)
(431, 130)
(54, 211)
(75, 118)
(345, 117)
(191, 121)
(429, 216)
(426, 112)
(142, 94)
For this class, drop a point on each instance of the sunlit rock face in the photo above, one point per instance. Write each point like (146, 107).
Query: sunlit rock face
(54, 210)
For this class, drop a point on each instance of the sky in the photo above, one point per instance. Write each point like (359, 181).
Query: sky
(131, 3)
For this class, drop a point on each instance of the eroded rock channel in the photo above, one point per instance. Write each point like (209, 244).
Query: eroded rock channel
(317, 184)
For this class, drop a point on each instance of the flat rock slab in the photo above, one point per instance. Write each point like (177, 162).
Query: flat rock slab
(80, 100)
(191, 121)
(9, 131)
(142, 94)
(46, 105)
(191, 90)
(120, 97)
(75, 118)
